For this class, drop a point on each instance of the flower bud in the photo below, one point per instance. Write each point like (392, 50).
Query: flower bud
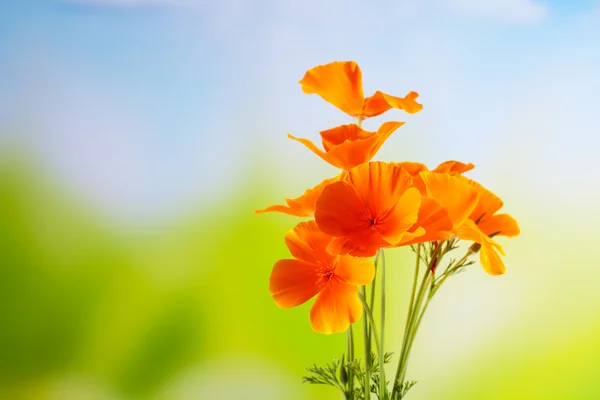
(343, 372)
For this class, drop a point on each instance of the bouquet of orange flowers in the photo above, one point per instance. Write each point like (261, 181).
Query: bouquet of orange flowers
(369, 207)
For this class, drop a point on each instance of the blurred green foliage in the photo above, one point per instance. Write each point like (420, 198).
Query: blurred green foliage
(181, 310)
(75, 300)
(80, 299)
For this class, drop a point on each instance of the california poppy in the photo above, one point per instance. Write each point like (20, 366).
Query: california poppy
(447, 203)
(374, 206)
(449, 167)
(347, 146)
(461, 204)
(315, 272)
(340, 83)
(484, 215)
(483, 224)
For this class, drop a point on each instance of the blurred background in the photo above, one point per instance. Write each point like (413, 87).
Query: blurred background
(137, 137)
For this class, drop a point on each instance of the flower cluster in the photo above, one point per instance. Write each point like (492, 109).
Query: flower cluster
(372, 205)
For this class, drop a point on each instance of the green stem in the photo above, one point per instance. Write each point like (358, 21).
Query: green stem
(371, 321)
(373, 286)
(418, 322)
(432, 292)
(350, 372)
(414, 288)
(377, 343)
(382, 381)
(407, 343)
(367, 344)
(413, 319)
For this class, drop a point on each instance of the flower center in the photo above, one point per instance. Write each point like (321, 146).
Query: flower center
(374, 222)
(327, 274)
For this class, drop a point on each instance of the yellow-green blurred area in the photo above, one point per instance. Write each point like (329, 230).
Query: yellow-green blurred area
(183, 312)
(137, 137)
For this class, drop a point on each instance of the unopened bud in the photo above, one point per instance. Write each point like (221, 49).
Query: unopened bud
(474, 248)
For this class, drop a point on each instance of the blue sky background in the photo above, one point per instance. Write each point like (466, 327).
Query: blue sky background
(145, 106)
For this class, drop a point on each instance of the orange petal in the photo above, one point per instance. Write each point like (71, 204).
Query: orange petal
(355, 270)
(500, 224)
(490, 260)
(413, 168)
(469, 231)
(403, 216)
(487, 204)
(336, 307)
(303, 206)
(456, 196)
(289, 209)
(339, 245)
(342, 133)
(351, 153)
(380, 185)
(312, 147)
(340, 212)
(364, 243)
(413, 236)
(339, 83)
(294, 282)
(455, 167)
(434, 219)
(306, 242)
(381, 102)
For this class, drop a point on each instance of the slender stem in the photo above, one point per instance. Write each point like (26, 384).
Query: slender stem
(413, 333)
(382, 381)
(414, 317)
(406, 345)
(414, 287)
(373, 285)
(418, 322)
(350, 372)
(367, 344)
(371, 321)
(408, 316)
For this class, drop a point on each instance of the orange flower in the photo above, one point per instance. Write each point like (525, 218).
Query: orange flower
(347, 146)
(464, 206)
(460, 206)
(449, 167)
(314, 272)
(340, 83)
(303, 206)
(444, 201)
(484, 223)
(447, 203)
(374, 206)
(452, 193)
(484, 215)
